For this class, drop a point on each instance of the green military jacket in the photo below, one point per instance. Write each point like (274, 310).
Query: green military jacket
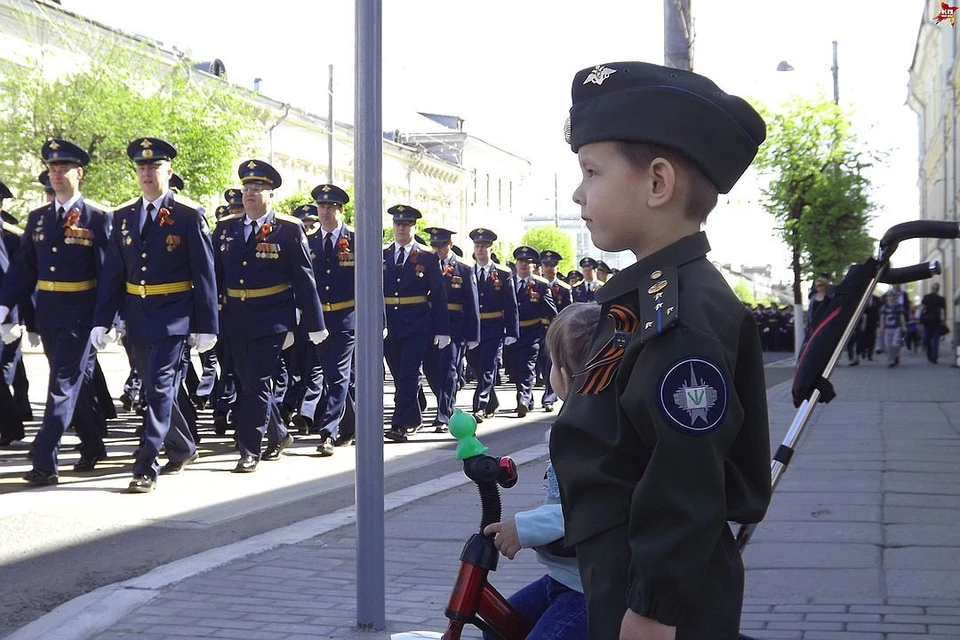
(665, 430)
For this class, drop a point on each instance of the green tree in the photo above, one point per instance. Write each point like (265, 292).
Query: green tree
(547, 237)
(818, 188)
(291, 202)
(742, 290)
(118, 95)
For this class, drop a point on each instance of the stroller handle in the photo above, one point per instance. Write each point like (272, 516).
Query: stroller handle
(914, 272)
(919, 229)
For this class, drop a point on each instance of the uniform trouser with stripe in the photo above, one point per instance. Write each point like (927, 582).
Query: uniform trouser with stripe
(486, 360)
(11, 422)
(160, 364)
(70, 358)
(440, 368)
(256, 362)
(328, 366)
(404, 357)
(525, 367)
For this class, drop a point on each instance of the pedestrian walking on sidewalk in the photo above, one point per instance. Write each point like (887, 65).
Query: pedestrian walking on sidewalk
(933, 315)
(894, 322)
(554, 604)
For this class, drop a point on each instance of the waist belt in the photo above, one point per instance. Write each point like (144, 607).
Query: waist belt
(491, 315)
(406, 300)
(243, 294)
(338, 306)
(144, 290)
(452, 306)
(66, 287)
(530, 323)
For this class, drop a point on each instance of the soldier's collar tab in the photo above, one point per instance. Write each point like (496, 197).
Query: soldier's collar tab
(637, 275)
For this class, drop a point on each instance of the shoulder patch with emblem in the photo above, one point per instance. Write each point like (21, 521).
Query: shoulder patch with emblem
(694, 396)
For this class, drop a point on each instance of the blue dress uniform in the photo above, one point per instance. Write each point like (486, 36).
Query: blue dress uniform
(159, 269)
(498, 322)
(416, 309)
(586, 290)
(330, 365)
(11, 420)
(226, 390)
(536, 309)
(264, 275)
(562, 298)
(441, 365)
(61, 255)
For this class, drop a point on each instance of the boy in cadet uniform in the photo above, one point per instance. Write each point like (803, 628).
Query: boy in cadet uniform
(498, 321)
(264, 276)
(535, 309)
(61, 255)
(665, 436)
(441, 365)
(416, 309)
(563, 298)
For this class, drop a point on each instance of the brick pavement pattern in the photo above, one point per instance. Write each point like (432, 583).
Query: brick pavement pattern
(861, 541)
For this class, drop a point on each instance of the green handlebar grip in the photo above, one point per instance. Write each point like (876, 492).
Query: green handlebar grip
(463, 426)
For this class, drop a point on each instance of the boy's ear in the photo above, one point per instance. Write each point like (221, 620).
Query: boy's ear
(663, 182)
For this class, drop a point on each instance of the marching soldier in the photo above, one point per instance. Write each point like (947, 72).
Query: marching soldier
(536, 309)
(11, 415)
(603, 271)
(264, 277)
(562, 297)
(61, 255)
(498, 321)
(159, 269)
(330, 365)
(416, 309)
(586, 290)
(574, 278)
(441, 365)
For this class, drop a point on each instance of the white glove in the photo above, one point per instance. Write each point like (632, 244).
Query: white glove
(98, 337)
(442, 342)
(385, 331)
(316, 337)
(471, 345)
(509, 340)
(33, 338)
(4, 312)
(204, 341)
(287, 341)
(11, 332)
(298, 315)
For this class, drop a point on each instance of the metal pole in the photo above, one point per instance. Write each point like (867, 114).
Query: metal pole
(330, 126)
(836, 76)
(677, 34)
(368, 153)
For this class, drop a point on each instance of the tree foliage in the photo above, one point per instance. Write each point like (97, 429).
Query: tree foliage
(818, 188)
(743, 291)
(547, 237)
(106, 101)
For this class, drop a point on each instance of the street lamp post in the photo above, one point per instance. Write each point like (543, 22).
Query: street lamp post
(798, 333)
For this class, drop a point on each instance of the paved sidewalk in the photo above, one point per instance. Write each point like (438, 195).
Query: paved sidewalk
(861, 542)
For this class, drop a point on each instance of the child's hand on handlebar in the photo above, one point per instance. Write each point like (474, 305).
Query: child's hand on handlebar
(506, 539)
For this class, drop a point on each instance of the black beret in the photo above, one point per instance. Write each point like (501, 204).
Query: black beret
(150, 151)
(643, 102)
(259, 171)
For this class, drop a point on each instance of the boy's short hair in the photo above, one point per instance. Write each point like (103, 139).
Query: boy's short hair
(570, 335)
(702, 193)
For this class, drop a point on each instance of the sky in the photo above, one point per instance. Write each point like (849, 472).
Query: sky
(505, 66)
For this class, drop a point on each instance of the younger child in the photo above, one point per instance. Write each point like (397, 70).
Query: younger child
(555, 601)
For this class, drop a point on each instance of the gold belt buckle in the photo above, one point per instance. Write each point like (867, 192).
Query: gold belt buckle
(142, 290)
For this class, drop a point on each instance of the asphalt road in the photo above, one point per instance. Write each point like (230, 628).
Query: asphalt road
(61, 542)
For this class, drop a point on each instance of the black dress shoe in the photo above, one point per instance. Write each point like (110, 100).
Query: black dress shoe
(326, 447)
(548, 408)
(88, 463)
(396, 435)
(303, 424)
(273, 451)
(173, 468)
(220, 424)
(126, 401)
(440, 427)
(141, 484)
(285, 414)
(39, 478)
(478, 416)
(521, 411)
(201, 402)
(6, 441)
(247, 464)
